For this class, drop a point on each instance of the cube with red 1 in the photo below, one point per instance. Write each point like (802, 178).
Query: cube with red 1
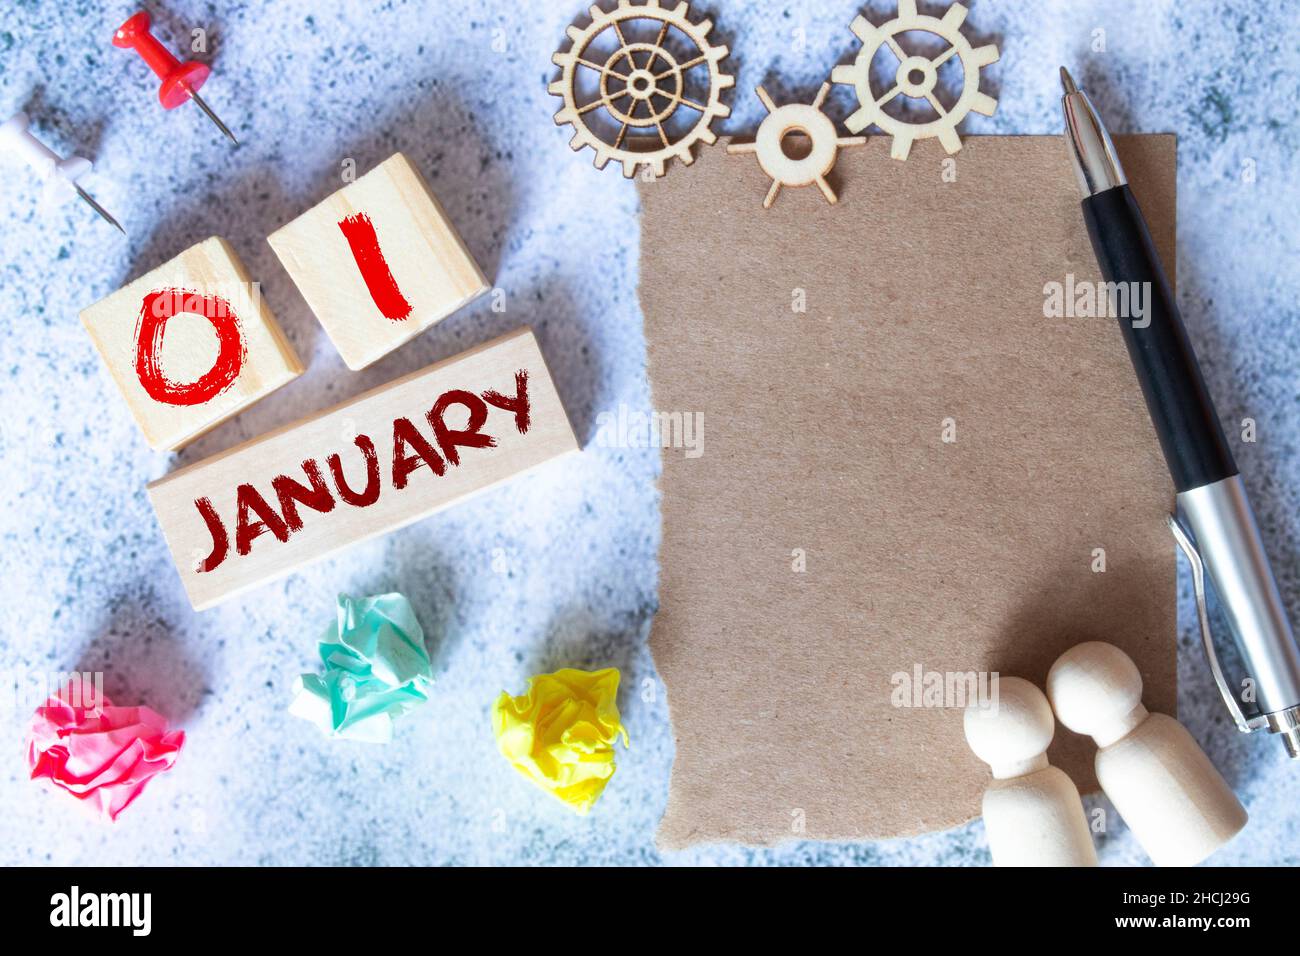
(378, 261)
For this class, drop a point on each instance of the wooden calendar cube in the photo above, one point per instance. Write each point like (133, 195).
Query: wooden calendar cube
(190, 344)
(378, 262)
(373, 464)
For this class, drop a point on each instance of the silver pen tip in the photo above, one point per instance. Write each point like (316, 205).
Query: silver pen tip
(1096, 164)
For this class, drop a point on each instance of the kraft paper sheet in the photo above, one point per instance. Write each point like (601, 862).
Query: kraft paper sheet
(823, 437)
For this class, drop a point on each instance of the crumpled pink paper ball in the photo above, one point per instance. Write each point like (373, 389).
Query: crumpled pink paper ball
(103, 755)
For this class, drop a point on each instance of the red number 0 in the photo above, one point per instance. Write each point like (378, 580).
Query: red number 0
(160, 306)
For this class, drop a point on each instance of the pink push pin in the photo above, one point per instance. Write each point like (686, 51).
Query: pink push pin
(180, 81)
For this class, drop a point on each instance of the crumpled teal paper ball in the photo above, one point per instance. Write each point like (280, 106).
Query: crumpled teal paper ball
(376, 669)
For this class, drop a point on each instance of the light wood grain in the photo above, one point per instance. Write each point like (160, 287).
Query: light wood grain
(395, 419)
(916, 77)
(190, 343)
(641, 95)
(1032, 812)
(819, 134)
(1177, 804)
(428, 262)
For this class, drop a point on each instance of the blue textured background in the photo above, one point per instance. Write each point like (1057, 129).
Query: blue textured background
(461, 88)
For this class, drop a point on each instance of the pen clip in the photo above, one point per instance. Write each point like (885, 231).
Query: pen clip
(1244, 724)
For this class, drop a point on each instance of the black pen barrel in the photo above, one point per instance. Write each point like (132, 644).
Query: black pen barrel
(1177, 399)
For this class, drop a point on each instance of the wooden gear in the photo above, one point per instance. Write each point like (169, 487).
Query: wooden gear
(824, 143)
(640, 77)
(917, 77)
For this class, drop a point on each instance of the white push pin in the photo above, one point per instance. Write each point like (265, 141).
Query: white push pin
(60, 175)
(1178, 806)
(1032, 811)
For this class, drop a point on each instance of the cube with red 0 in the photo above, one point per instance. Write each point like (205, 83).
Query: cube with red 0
(190, 344)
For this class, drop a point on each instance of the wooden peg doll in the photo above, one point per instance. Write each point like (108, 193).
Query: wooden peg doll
(1032, 810)
(1177, 804)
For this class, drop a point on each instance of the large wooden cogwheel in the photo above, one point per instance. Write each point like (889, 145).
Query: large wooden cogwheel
(917, 77)
(641, 86)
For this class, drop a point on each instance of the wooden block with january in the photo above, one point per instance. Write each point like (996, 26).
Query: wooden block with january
(363, 468)
(190, 344)
(378, 261)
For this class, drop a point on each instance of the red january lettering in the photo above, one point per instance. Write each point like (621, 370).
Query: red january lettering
(254, 516)
(518, 404)
(406, 435)
(248, 498)
(156, 309)
(220, 540)
(290, 493)
(368, 497)
(449, 438)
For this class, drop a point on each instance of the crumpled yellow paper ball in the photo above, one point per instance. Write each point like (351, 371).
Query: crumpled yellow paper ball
(561, 734)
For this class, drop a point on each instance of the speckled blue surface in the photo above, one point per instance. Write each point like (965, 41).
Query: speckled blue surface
(560, 567)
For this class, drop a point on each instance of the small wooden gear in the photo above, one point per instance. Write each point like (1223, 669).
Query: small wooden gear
(824, 145)
(641, 85)
(917, 77)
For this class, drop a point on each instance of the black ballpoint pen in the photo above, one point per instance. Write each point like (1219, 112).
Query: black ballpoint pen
(1217, 529)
